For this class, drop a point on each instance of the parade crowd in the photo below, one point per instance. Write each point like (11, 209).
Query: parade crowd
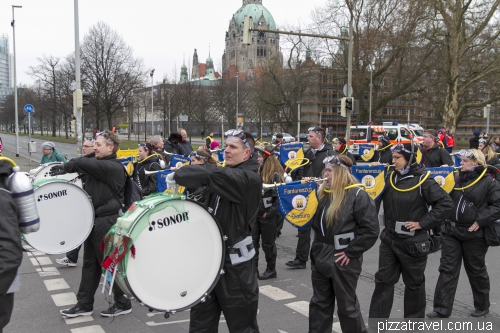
(412, 218)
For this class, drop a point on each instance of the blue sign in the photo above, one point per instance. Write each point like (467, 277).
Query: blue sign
(28, 108)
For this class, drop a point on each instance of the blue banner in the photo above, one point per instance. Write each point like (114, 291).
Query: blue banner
(457, 159)
(177, 161)
(161, 180)
(373, 177)
(292, 155)
(298, 202)
(366, 151)
(444, 176)
(220, 155)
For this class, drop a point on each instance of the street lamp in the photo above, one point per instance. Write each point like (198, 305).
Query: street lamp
(371, 88)
(152, 102)
(15, 80)
(169, 111)
(237, 79)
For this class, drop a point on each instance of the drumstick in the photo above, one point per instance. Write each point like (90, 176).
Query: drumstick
(266, 186)
(112, 281)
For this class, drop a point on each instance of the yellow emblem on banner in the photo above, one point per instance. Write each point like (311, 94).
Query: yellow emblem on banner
(303, 209)
(447, 183)
(367, 154)
(419, 156)
(374, 185)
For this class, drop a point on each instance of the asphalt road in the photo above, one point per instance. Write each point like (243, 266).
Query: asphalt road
(283, 302)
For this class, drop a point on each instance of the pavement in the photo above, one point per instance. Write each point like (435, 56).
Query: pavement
(48, 288)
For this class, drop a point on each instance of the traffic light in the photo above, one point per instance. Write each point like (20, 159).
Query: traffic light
(343, 107)
(77, 99)
(349, 101)
(85, 97)
(247, 34)
(73, 128)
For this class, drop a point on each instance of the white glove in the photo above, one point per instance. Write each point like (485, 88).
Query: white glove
(170, 177)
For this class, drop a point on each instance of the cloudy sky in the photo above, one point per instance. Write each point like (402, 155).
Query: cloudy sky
(161, 32)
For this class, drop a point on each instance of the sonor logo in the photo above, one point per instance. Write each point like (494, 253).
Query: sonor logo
(169, 220)
(52, 195)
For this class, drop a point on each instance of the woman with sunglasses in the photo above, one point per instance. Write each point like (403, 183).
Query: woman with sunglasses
(405, 241)
(489, 154)
(198, 157)
(268, 216)
(147, 161)
(345, 226)
(463, 235)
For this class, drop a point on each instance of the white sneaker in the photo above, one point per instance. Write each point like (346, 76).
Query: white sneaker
(65, 262)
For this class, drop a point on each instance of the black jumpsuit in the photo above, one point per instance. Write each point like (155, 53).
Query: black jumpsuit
(331, 281)
(406, 255)
(460, 244)
(234, 200)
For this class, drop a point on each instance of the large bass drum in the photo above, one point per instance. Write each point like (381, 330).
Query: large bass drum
(42, 172)
(177, 254)
(66, 216)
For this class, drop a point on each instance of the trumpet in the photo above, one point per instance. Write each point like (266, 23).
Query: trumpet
(147, 173)
(268, 186)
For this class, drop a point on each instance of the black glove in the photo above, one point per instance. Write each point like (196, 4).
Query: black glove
(57, 170)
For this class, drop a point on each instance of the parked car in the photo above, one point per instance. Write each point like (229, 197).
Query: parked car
(287, 138)
(303, 137)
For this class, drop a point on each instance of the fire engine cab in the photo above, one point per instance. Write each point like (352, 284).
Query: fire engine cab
(368, 134)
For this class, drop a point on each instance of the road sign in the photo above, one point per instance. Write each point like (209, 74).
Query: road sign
(344, 90)
(29, 109)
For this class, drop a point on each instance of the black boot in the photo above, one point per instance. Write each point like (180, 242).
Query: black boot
(270, 272)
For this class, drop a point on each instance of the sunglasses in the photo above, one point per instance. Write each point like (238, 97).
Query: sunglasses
(399, 148)
(195, 154)
(467, 154)
(143, 145)
(314, 129)
(334, 160)
(240, 134)
(105, 135)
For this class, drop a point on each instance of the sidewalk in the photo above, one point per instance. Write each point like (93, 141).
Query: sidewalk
(21, 161)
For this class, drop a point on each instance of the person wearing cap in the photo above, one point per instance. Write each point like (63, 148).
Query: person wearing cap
(433, 155)
(405, 240)
(474, 141)
(383, 153)
(233, 198)
(463, 238)
(345, 226)
(340, 146)
(50, 154)
(278, 139)
(317, 152)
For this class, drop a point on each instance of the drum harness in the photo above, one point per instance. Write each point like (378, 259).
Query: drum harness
(243, 249)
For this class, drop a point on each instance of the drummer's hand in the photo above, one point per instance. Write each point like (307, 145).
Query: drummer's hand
(474, 227)
(374, 163)
(412, 226)
(343, 258)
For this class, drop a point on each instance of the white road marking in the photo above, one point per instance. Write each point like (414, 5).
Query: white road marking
(41, 261)
(56, 284)
(301, 307)
(274, 293)
(88, 329)
(64, 299)
(47, 271)
(336, 327)
(78, 320)
(152, 323)
(35, 253)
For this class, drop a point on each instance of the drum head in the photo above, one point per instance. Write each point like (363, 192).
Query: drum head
(178, 256)
(66, 217)
(43, 172)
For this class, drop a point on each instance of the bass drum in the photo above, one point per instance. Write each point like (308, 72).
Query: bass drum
(42, 172)
(177, 255)
(66, 217)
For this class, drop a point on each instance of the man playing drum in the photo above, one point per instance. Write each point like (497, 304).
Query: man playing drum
(234, 196)
(104, 177)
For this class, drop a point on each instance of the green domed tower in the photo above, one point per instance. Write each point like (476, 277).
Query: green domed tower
(243, 58)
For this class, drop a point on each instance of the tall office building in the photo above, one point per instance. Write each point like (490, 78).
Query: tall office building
(6, 73)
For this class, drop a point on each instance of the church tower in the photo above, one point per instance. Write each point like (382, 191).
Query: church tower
(265, 45)
(195, 72)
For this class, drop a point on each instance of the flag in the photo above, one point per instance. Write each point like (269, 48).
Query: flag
(444, 177)
(373, 177)
(292, 155)
(366, 151)
(297, 203)
(178, 161)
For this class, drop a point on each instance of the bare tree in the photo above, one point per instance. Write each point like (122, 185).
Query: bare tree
(110, 71)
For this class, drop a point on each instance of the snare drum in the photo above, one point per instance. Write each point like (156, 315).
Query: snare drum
(178, 252)
(66, 216)
(43, 172)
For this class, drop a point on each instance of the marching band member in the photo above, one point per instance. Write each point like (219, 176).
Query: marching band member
(434, 155)
(50, 154)
(345, 226)
(383, 154)
(340, 146)
(405, 242)
(268, 217)
(234, 197)
(104, 179)
(316, 154)
(146, 161)
(463, 237)
(489, 154)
